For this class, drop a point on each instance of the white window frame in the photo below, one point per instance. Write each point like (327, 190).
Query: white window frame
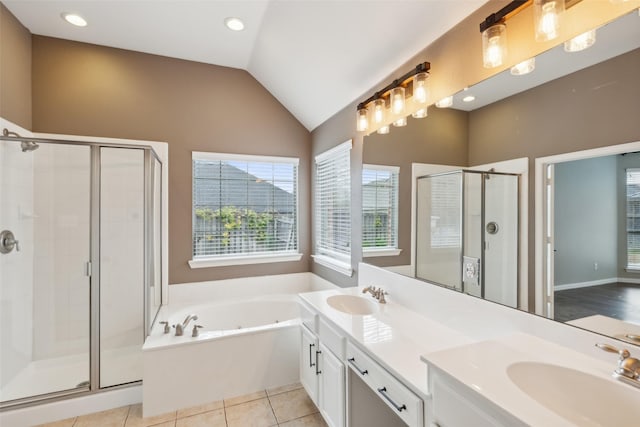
(248, 258)
(385, 250)
(334, 260)
(629, 267)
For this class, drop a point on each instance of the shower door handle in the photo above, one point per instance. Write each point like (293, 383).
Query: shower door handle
(8, 242)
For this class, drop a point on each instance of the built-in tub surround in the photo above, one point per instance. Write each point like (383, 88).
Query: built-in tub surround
(248, 341)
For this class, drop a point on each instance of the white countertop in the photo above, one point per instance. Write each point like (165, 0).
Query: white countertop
(482, 367)
(395, 336)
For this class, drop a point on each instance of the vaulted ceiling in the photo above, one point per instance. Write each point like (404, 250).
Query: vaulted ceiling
(314, 56)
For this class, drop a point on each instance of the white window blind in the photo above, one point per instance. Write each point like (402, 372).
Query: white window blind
(333, 203)
(244, 205)
(633, 218)
(379, 207)
(446, 209)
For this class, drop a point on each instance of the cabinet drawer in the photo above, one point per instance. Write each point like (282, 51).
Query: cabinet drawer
(331, 338)
(309, 318)
(392, 392)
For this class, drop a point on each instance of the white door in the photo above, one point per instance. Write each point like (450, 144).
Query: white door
(331, 388)
(308, 363)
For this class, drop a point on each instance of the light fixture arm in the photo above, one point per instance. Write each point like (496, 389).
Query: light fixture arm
(504, 13)
(420, 68)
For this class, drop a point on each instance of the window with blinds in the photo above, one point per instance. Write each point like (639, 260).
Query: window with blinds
(244, 205)
(446, 210)
(379, 207)
(333, 206)
(633, 219)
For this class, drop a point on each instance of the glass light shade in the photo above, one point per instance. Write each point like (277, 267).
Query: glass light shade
(581, 42)
(420, 114)
(400, 122)
(546, 15)
(378, 110)
(494, 45)
(383, 130)
(397, 100)
(525, 67)
(445, 102)
(362, 120)
(420, 90)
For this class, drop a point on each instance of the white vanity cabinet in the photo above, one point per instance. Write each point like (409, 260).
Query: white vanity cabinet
(322, 372)
(455, 405)
(402, 401)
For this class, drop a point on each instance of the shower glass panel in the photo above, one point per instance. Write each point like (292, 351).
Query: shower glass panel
(44, 286)
(154, 300)
(467, 233)
(472, 234)
(439, 229)
(501, 239)
(122, 266)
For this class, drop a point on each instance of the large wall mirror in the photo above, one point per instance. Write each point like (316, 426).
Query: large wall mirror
(585, 102)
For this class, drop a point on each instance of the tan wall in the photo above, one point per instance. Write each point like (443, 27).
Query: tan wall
(91, 90)
(15, 70)
(440, 138)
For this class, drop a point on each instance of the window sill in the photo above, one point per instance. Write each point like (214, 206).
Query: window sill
(366, 253)
(632, 270)
(334, 264)
(243, 260)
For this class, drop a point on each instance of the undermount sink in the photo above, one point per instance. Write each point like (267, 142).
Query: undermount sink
(580, 398)
(352, 304)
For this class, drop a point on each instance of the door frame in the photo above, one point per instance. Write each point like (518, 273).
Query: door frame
(543, 283)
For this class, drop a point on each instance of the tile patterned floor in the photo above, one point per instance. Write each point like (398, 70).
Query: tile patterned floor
(287, 406)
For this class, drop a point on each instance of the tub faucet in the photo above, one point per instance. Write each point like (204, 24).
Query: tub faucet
(180, 327)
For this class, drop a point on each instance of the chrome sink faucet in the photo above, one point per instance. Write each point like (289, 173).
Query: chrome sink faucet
(180, 327)
(377, 293)
(628, 370)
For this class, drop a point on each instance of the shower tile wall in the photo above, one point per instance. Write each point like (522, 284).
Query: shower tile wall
(16, 273)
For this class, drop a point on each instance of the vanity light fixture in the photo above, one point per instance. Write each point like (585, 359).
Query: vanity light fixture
(546, 15)
(525, 67)
(74, 19)
(234, 24)
(363, 120)
(395, 95)
(420, 114)
(400, 122)
(581, 42)
(445, 102)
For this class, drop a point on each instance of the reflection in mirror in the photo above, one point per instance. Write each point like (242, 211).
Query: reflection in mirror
(593, 251)
(570, 102)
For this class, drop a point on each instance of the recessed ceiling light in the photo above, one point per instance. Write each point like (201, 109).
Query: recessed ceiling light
(445, 102)
(234, 24)
(469, 98)
(74, 19)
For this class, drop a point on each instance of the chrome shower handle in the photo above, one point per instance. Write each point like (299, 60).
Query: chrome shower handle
(8, 242)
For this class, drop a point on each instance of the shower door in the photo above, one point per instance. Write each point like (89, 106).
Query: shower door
(44, 278)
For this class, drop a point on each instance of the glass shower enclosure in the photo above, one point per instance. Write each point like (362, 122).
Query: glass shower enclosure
(467, 233)
(80, 265)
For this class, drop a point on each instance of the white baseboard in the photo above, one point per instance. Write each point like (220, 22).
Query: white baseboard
(63, 409)
(585, 284)
(597, 283)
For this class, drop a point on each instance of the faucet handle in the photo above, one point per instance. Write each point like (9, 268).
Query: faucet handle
(623, 353)
(167, 329)
(194, 332)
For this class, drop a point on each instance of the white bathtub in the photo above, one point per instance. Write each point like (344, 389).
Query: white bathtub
(245, 345)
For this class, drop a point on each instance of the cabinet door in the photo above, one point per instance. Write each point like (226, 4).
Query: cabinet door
(331, 388)
(308, 363)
